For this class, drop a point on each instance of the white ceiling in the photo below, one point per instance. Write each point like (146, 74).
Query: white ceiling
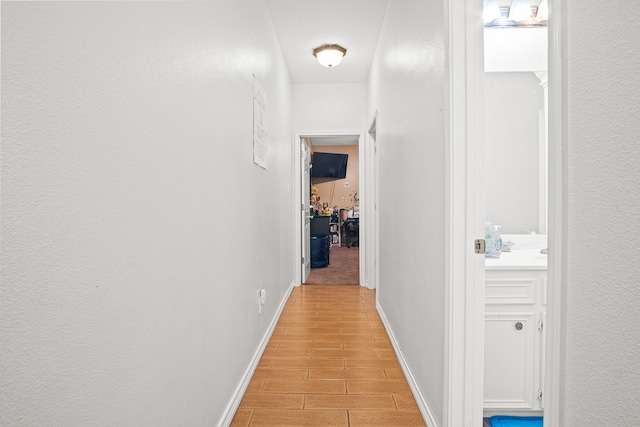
(302, 25)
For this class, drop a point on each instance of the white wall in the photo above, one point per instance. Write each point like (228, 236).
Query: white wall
(601, 374)
(330, 107)
(136, 229)
(512, 104)
(407, 87)
(334, 108)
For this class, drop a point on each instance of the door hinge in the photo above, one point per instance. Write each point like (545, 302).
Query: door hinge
(302, 206)
(302, 260)
(540, 395)
(540, 325)
(479, 246)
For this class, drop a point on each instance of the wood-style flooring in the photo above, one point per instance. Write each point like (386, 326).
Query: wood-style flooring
(329, 363)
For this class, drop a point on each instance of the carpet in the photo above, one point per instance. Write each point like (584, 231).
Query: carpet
(343, 268)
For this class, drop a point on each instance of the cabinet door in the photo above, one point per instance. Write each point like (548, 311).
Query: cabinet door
(508, 360)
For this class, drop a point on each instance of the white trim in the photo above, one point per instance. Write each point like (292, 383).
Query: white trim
(371, 218)
(304, 211)
(362, 194)
(543, 161)
(464, 332)
(543, 156)
(237, 396)
(297, 218)
(556, 274)
(426, 412)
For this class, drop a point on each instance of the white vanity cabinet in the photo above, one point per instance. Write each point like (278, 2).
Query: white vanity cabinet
(515, 300)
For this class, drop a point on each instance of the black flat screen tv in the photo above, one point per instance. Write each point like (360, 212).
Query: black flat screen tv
(329, 165)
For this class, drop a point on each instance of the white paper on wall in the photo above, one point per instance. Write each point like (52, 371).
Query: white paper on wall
(260, 134)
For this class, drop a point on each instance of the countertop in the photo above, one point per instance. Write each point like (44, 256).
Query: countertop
(524, 255)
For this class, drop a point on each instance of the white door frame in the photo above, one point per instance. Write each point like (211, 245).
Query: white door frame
(305, 209)
(465, 276)
(464, 358)
(557, 230)
(372, 219)
(297, 226)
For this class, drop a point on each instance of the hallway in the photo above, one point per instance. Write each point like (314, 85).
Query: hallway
(150, 193)
(329, 362)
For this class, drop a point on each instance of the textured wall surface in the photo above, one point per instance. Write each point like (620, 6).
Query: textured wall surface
(407, 89)
(602, 373)
(136, 230)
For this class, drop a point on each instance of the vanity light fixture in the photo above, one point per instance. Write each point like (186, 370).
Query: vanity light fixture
(329, 55)
(518, 13)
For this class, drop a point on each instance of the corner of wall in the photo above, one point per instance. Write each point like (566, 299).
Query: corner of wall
(425, 410)
(238, 394)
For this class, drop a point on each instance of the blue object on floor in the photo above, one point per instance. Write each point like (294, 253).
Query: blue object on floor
(505, 421)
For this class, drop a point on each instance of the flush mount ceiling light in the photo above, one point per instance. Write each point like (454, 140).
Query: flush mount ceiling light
(329, 55)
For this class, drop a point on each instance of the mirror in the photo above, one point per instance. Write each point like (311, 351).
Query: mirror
(515, 129)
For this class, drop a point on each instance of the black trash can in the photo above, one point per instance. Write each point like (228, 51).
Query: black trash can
(319, 251)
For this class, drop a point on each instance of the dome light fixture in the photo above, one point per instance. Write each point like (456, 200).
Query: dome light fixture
(329, 55)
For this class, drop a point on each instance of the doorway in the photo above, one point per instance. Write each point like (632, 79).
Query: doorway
(464, 393)
(341, 200)
(538, 310)
(515, 166)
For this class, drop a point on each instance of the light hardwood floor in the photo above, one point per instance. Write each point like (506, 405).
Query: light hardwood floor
(329, 363)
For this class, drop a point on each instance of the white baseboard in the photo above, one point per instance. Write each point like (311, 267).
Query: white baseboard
(230, 412)
(417, 394)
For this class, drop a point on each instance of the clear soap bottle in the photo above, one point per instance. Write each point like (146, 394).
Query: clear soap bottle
(489, 246)
(497, 241)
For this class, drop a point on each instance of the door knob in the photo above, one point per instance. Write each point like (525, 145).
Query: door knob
(519, 326)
